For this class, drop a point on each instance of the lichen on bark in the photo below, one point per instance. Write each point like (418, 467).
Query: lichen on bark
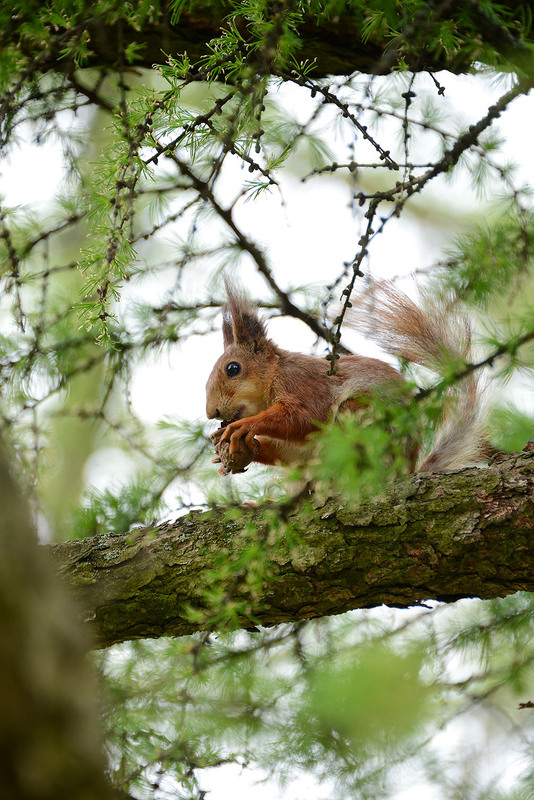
(435, 536)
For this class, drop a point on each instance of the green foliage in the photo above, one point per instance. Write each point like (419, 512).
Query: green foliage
(513, 428)
(123, 270)
(361, 452)
(492, 264)
(374, 697)
(339, 698)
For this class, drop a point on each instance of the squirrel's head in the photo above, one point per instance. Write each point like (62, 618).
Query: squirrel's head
(240, 381)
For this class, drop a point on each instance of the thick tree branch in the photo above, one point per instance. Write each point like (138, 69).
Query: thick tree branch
(334, 44)
(435, 536)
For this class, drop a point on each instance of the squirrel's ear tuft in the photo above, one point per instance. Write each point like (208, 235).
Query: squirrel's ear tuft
(227, 329)
(241, 323)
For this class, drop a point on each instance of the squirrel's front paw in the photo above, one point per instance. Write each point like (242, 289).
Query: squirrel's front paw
(236, 433)
(235, 459)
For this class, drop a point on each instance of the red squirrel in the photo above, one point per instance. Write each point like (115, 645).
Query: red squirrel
(270, 400)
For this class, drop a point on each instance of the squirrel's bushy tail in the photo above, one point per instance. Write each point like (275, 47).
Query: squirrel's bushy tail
(432, 336)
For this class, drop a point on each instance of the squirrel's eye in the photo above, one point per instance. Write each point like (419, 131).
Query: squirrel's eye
(233, 369)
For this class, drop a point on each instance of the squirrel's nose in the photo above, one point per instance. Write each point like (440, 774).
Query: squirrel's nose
(212, 413)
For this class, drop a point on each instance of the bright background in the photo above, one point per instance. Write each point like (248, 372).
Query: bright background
(307, 240)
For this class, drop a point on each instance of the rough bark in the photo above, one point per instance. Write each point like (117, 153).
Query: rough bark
(434, 536)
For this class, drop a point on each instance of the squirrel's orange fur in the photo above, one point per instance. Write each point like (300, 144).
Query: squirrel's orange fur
(273, 398)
